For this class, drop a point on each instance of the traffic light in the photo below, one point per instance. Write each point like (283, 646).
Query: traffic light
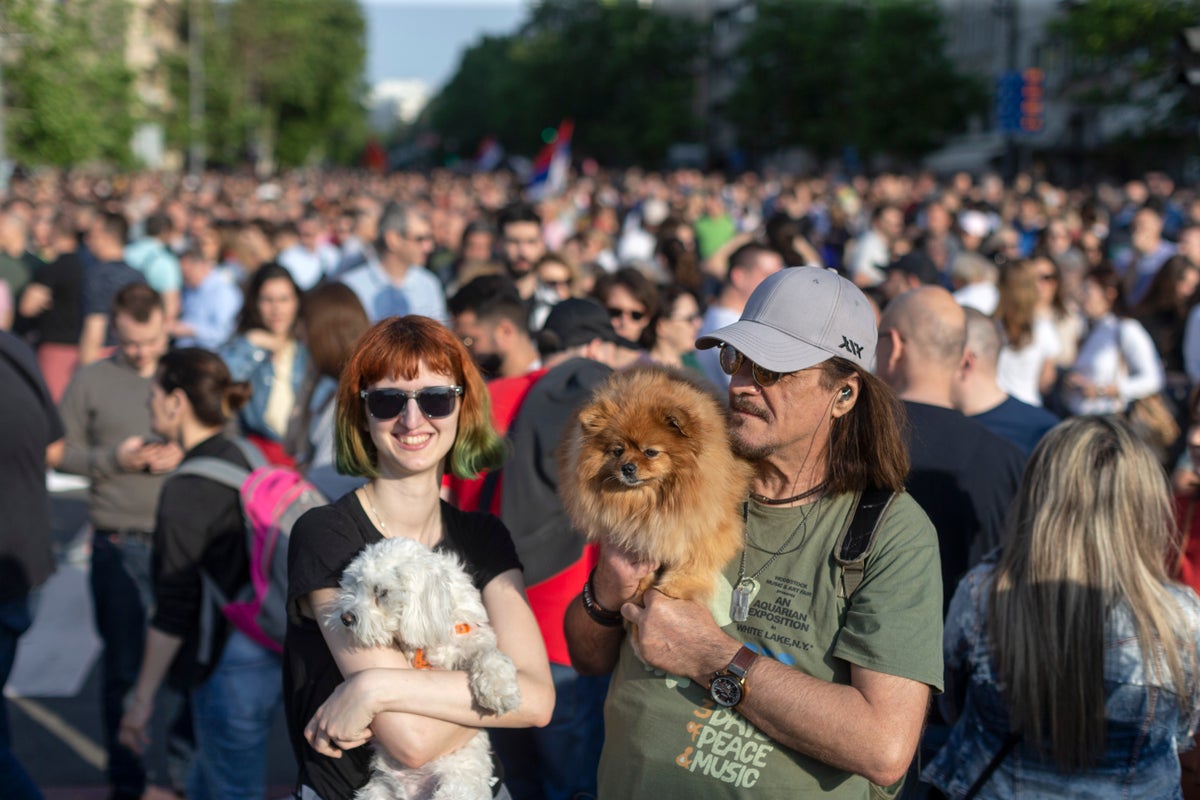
(1008, 102)
(1033, 100)
(1021, 101)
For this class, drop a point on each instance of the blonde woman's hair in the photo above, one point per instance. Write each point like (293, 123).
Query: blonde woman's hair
(1089, 532)
(1017, 304)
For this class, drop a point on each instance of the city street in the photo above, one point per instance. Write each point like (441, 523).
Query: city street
(54, 692)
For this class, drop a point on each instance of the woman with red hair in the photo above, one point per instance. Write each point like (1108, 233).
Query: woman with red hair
(410, 405)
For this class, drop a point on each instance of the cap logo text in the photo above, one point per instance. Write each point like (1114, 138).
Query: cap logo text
(854, 348)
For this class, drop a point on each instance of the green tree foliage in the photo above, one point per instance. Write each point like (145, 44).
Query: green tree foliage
(69, 95)
(1125, 52)
(823, 74)
(282, 78)
(624, 73)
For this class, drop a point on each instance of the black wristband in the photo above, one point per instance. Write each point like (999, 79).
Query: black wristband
(599, 615)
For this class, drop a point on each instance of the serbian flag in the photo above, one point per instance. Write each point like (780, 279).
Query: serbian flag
(489, 156)
(550, 167)
(374, 158)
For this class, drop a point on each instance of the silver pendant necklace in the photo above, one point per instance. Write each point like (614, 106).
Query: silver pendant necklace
(371, 503)
(747, 586)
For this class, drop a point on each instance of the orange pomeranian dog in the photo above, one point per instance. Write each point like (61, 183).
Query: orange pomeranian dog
(648, 467)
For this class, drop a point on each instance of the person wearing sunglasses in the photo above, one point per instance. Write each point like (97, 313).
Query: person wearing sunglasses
(672, 334)
(631, 300)
(795, 680)
(394, 281)
(411, 405)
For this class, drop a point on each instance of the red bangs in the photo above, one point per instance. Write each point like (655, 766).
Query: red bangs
(397, 347)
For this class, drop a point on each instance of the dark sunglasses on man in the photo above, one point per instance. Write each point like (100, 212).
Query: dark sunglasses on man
(732, 360)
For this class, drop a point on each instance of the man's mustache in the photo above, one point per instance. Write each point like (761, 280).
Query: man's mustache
(744, 406)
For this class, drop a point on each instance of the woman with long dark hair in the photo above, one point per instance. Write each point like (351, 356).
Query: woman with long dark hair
(199, 538)
(266, 353)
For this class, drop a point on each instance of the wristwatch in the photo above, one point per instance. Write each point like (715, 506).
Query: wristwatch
(729, 685)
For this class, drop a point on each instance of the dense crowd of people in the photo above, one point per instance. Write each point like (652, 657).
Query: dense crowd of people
(173, 318)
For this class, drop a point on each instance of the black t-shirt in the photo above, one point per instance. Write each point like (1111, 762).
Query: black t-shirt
(61, 323)
(964, 477)
(199, 526)
(30, 424)
(323, 542)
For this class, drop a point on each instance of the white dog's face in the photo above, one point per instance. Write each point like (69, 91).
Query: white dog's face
(399, 592)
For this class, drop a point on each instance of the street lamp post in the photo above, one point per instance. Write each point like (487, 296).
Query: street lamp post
(3, 131)
(1008, 10)
(196, 154)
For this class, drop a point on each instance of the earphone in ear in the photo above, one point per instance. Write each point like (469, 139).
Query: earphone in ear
(846, 394)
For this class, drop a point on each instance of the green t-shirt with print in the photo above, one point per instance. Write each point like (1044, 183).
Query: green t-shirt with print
(665, 738)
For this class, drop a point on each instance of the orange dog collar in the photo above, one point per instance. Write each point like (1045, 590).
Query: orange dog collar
(420, 662)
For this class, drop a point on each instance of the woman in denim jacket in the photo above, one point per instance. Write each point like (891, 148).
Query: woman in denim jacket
(266, 353)
(1072, 663)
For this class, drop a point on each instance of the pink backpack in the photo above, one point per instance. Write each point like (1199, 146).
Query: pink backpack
(273, 498)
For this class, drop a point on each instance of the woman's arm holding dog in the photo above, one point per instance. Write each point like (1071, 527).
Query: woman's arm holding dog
(410, 739)
(594, 647)
(378, 692)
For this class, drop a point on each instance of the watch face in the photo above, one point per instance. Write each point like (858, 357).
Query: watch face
(726, 690)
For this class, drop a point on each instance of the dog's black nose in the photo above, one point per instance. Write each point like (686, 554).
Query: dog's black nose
(629, 469)
(348, 619)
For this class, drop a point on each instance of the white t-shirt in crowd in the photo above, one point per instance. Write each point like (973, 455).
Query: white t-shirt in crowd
(1018, 370)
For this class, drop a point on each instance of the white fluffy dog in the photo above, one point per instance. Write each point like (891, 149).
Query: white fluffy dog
(400, 593)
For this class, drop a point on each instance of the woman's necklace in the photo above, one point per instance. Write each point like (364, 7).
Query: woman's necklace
(378, 519)
(368, 492)
(747, 587)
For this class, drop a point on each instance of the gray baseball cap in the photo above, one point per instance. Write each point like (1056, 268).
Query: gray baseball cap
(799, 317)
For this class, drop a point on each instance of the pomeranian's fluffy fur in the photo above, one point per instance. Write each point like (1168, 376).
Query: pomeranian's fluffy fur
(648, 467)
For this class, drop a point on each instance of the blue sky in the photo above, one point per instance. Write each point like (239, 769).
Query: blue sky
(425, 38)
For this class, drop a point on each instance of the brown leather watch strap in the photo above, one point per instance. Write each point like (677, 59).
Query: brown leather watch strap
(741, 662)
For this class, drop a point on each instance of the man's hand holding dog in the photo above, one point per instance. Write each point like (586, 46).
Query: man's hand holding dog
(617, 577)
(680, 636)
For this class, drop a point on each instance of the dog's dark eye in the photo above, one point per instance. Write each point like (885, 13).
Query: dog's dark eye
(381, 594)
(617, 451)
(650, 452)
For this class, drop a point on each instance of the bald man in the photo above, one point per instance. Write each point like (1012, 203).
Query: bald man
(962, 474)
(976, 393)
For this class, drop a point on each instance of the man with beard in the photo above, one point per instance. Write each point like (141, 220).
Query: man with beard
(489, 317)
(803, 676)
(522, 245)
(106, 419)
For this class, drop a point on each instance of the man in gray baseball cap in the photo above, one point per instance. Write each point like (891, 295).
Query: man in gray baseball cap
(825, 637)
(798, 318)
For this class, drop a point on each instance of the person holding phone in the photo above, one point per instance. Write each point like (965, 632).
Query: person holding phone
(109, 440)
